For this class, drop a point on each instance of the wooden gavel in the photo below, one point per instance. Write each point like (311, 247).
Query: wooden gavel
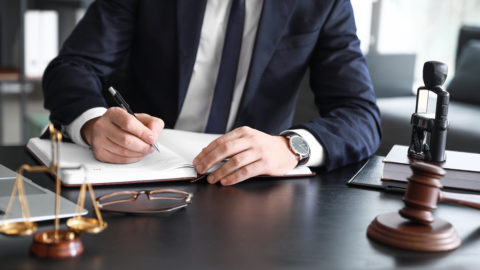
(424, 191)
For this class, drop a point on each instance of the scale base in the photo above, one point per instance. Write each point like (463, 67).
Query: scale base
(394, 230)
(67, 245)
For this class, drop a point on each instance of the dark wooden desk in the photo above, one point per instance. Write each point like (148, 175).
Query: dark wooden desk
(309, 223)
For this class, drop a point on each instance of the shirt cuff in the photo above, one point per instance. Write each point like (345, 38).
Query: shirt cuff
(317, 152)
(73, 130)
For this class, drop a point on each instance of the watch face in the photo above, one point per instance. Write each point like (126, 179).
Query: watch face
(299, 144)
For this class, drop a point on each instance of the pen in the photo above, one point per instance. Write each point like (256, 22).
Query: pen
(122, 103)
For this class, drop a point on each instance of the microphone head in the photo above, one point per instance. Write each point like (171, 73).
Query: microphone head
(434, 74)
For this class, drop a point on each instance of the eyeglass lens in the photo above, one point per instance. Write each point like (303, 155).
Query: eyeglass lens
(138, 202)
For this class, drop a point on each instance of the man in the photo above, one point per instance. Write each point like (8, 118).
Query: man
(218, 66)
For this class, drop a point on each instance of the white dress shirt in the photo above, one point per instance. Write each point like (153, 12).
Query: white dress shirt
(196, 107)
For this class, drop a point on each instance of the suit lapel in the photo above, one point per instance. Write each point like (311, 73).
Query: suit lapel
(189, 20)
(275, 15)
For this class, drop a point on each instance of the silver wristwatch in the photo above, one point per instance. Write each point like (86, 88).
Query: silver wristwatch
(299, 146)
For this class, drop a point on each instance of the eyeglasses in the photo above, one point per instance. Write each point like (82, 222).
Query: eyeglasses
(155, 201)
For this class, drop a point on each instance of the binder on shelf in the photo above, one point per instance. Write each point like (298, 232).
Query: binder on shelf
(41, 41)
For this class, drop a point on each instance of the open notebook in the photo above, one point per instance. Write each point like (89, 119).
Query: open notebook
(173, 162)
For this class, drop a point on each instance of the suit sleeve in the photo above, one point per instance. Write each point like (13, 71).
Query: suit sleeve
(72, 82)
(349, 126)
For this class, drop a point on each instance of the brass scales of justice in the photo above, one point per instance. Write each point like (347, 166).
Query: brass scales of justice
(56, 243)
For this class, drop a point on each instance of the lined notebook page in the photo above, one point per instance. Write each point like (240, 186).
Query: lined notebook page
(185, 143)
(157, 165)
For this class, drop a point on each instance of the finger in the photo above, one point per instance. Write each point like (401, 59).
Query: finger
(127, 140)
(117, 149)
(221, 152)
(130, 124)
(107, 151)
(236, 133)
(242, 174)
(233, 164)
(155, 124)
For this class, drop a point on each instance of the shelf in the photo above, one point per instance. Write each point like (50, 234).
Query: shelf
(9, 74)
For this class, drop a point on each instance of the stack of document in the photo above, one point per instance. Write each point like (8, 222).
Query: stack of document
(462, 169)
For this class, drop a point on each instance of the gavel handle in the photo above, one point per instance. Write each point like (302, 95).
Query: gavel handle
(463, 199)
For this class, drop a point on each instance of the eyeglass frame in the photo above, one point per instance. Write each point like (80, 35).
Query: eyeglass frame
(186, 200)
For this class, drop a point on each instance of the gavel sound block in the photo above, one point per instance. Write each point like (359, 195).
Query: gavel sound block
(414, 227)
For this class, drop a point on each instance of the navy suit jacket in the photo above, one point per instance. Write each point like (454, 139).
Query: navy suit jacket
(160, 39)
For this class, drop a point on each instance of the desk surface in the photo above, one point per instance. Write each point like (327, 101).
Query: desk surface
(307, 223)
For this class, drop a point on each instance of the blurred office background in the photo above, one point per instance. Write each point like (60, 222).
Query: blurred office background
(31, 33)
(397, 36)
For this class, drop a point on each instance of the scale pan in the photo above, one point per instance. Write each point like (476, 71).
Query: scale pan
(18, 228)
(86, 225)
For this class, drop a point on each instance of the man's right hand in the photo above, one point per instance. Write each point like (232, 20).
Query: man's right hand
(118, 137)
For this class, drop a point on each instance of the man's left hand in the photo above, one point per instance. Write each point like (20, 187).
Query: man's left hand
(249, 152)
